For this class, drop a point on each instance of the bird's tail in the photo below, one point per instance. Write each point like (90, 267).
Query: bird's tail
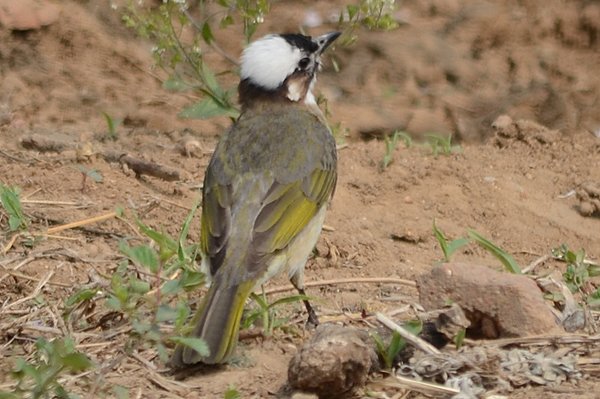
(217, 322)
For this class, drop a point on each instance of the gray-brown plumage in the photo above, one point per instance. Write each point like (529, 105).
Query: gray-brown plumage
(266, 188)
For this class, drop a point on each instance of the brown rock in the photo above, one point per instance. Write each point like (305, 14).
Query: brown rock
(588, 195)
(333, 363)
(497, 304)
(523, 130)
(27, 14)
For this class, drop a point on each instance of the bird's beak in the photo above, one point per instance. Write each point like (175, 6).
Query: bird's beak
(325, 40)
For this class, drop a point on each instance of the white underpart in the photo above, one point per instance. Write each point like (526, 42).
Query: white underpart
(268, 61)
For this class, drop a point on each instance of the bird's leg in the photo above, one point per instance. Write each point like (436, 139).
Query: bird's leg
(297, 281)
(312, 315)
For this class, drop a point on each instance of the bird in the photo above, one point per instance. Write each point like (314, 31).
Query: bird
(266, 188)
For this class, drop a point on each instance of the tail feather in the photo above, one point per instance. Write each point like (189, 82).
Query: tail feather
(217, 322)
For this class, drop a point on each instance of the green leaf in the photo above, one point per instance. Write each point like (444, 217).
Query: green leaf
(192, 279)
(456, 244)
(593, 270)
(226, 21)
(112, 302)
(140, 327)
(397, 343)
(504, 257)
(207, 34)
(231, 393)
(95, 175)
(166, 313)
(206, 109)
(442, 240)
(352, 11)
(448, 248)
(139, 286)
(81, 296)
(167, 246)
(260, 301)
(413, 326)
(141, 255)
(8, 395)
(174, 83)
(183, 311)
(197, 344)
(289, 299)
(170, 287)
(459, 338)
(210, 80)
(9, 197)
(184, 231)
(76, 362)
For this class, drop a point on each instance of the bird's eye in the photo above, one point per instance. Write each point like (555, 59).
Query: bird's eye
(304, 63)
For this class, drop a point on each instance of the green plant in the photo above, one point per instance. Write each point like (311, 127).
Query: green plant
(232, 393)
(182, 56)
(579, 270)
(90, 173)
(111, 125)
(593, 300)
(459, 338)
(504, 257)
(387, 351)
(448, 247)
(441, 145)
(267, 312)
(390, 146)
(145, 290)
(371, 14)
(39, 378)
(11, 202)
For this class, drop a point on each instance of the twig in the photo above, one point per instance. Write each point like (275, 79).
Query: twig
(35, 293)
(26, 196)
(212, 43)
(539, 340)
(398, 311)
(57, 237)
(141, 167)
(328, 228)
(12, 157)
(535, 263)
(407, 335)
(26, 277)
(80, 223)
(42, 329)
(427, 388)
(49, 202)
(165, 200)
(373, 280)
(10, 243)
(143, 361)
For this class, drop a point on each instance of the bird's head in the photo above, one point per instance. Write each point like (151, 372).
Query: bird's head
(282, 68)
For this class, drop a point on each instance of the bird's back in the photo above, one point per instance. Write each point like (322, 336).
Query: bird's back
(287, 140)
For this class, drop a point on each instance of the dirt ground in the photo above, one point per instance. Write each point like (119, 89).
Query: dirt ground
(453, 66)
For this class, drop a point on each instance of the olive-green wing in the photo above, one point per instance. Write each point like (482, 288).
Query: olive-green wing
(215, 224)
(287, 209)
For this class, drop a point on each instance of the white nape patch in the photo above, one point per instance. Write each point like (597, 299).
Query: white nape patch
(269, 60)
